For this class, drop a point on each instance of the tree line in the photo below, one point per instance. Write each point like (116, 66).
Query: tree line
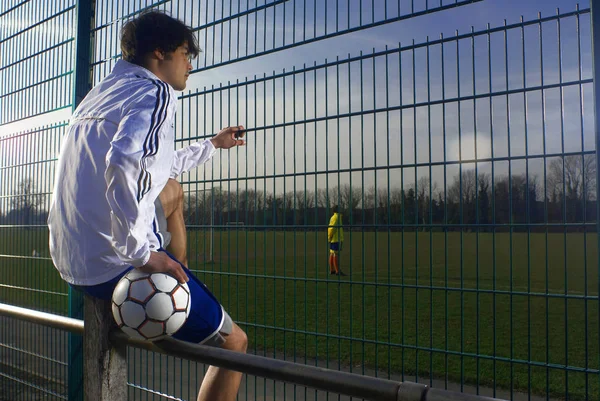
(467, 201)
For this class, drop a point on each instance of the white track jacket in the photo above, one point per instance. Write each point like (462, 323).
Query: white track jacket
(116, 158)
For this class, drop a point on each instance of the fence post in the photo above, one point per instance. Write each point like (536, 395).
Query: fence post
(595, 32)
(105, 365)
(81, 84)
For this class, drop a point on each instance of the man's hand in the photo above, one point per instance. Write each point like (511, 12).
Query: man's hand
(229, 137)
(160, 262)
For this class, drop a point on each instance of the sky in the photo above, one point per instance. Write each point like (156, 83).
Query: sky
(413, 137)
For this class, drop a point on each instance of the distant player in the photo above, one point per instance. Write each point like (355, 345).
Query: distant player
(335, 237)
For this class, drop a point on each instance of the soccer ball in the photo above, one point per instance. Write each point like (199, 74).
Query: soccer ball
(150, 306)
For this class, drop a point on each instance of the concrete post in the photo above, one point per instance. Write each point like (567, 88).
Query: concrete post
(105, 363)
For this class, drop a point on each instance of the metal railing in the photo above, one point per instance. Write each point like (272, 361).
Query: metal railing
(311, 376)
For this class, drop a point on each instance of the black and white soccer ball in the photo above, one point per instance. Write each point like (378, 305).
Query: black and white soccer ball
(150, 306)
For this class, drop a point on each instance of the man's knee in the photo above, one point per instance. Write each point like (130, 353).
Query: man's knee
(171, 196)
(176, 190)
(237, 340)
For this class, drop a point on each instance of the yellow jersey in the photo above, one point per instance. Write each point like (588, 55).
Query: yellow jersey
(335, 232)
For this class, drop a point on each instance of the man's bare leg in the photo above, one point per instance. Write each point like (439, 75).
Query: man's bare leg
(171, 199)
(219, 384)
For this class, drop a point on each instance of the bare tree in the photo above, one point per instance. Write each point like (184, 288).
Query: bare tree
(463, 188)
(461, 197)
(349, 198)
(369, 198)
(27, 201)
(305, 200)
(425, 195)
(575, 175)
(218, 201)
(395, 203)
(483, 198)
(190, 208)
(322, 197)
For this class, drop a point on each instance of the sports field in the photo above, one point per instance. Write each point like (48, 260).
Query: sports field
(459, 306)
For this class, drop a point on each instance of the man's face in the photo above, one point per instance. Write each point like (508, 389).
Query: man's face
(176, 66)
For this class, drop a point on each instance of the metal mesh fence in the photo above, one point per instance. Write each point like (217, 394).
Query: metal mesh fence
(464, 167)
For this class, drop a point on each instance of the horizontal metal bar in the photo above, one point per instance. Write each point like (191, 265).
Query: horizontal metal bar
(23, 257)
(458, 99)
(437, 394)
(14, 196)
(22, 226)
(363, 169)
(471, 290)
(43, 128)
(126, 16)
(32, 385)
(364, 227)
(31, 354)
(330, 117)
(43, 318)
(480, 227)
(198, 28)
(312, 376)
(241, 14)
(34, 290)
(380, 226)
(390, 167)
(434, 350)
(67, 106)
(154, 392)
(41, 22)
(45, 81)
(38, 162)
(408, 16)
(457, 3)
(305, 375)
(368, 56)
(46, 50)
(3, 13)
(32, 372)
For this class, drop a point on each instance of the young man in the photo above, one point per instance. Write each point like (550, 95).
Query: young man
(116, 205)
(335, 237)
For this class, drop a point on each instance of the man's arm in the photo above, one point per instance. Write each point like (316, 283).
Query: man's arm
(201, 152)
(192, 156)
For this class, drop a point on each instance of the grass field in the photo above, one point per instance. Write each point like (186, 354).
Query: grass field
(515, 311)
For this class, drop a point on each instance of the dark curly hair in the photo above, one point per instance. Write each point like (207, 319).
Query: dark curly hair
(153, 30)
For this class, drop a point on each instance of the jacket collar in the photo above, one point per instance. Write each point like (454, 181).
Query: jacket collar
(125, 67)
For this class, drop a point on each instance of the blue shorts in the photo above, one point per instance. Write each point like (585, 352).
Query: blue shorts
(207, 323)
(334, 246)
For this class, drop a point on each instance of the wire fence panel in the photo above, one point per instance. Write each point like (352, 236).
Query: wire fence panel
(464, 167)
(33, 361)
(33, 357)
(230, 31)
(470, 255)
(36, 44)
